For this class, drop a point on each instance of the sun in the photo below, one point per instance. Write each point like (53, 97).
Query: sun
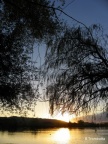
(65, 117)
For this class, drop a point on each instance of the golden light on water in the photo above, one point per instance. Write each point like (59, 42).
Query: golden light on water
(62, 135)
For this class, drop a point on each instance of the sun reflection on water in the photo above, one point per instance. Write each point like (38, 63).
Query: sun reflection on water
(62, 135)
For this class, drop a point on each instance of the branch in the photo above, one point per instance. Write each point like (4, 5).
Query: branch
(57, 9)
(50, 7)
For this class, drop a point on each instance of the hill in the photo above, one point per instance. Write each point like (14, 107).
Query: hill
(16, 123)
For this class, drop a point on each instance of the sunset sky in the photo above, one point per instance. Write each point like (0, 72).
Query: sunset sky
(87, 11)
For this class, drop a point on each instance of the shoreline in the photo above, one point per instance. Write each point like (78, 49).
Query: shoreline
(24, 123)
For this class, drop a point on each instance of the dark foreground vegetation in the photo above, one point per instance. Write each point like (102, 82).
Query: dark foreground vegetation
(22, 123)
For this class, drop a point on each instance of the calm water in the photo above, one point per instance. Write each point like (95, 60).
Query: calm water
(56, 136)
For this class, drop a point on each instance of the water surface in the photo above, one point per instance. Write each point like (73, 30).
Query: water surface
(56, 136)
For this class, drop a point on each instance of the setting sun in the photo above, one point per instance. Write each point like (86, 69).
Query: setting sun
(65, 117)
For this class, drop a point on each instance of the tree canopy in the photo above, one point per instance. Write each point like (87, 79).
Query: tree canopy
(76, 59)
(23, 23)
(77, 70)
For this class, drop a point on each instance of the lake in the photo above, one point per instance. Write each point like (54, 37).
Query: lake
(56, 136)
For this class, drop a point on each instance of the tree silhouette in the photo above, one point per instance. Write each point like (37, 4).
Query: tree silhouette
(77, 70)
(23, 23)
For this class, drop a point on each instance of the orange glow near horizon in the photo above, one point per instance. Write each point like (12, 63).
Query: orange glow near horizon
(65, 117)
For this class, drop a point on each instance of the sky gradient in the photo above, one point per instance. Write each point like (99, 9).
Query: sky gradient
(86, 11)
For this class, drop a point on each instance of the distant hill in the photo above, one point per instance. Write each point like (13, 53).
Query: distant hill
(23, 123)
(29, 123)
(97, 118)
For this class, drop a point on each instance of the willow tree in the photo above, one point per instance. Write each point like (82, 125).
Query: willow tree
(77, 70)
(23, 23)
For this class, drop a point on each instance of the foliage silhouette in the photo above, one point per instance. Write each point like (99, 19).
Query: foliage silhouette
(77, 70)
(23, 23)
